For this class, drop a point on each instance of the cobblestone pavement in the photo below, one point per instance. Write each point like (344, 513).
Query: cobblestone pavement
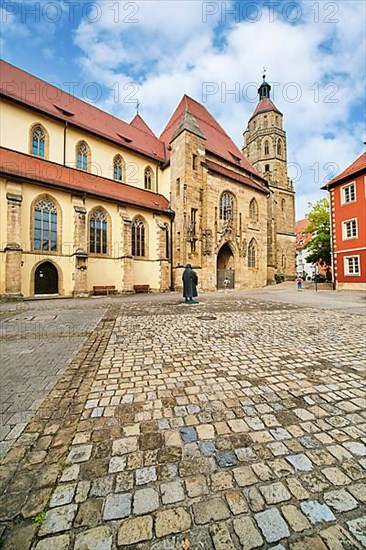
(36, 345)
(236, 423)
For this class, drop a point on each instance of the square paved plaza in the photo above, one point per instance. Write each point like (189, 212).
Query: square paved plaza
(235, 423)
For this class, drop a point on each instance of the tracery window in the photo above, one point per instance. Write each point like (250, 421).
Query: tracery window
(45, 226)
(279, 148)
(82, 156)
(138, 237)
(38, 141)
(148, 178)
(118, 166)
(266, 147)
(253, 210)
(98, 232)
(252, 249)
(226, 207)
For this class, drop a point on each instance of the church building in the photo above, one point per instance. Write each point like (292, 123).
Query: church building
(90, 201)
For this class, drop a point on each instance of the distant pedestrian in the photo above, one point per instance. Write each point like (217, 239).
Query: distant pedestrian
(299, 283)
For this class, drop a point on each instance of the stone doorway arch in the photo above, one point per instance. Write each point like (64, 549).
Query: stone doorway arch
(46, 279)
(225, 267)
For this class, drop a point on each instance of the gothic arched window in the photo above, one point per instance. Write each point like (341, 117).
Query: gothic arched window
(266, 147)
(279, 147)
(82, 156)
(38, 141)
(226, 207)
(118, 168)
(98, 232)
(283, 204)
(45, 226)
(253, 210)
(252, 253)
(148, 178)
(138, 238)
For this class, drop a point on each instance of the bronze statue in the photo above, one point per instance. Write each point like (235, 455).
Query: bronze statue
(190, 282)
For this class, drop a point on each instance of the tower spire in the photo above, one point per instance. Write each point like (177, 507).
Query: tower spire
(264, 89)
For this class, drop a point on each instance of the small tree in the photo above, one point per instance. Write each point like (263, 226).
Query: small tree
(319, 227)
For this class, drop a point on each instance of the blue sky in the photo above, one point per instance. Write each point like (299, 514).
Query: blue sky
(112, 53)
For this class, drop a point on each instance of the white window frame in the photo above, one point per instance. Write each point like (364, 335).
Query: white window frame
(343, 193)
(344, 229)
(346, 266)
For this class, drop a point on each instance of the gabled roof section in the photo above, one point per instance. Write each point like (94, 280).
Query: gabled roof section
(32, 92)
(37, 170)
(235, 176)
(188, 123)
(217, 140)
(139, 123)
(359, 165)
(264, 105)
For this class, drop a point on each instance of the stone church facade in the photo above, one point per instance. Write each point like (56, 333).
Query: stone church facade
(87, 200)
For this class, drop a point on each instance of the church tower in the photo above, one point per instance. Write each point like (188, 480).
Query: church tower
(266, 149)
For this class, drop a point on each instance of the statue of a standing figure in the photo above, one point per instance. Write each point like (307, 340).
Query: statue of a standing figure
(190, 282)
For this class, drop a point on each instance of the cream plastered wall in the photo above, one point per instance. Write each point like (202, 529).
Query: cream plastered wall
(16, 136)
(164, 182)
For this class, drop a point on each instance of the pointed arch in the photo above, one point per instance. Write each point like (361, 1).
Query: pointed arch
(253, 211)
(35, 269)
(283, 204)
(252, 253)
(83, 156)
(99, 231)
(266, 147)
(38, 140)
(46, 224)
(227, 206)
(149, 178)
(279, 147)
(119, 167)
(139, 237)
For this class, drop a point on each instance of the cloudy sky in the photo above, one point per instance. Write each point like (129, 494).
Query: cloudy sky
(113, 53)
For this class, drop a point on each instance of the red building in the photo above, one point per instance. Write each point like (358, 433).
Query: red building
(348, 225)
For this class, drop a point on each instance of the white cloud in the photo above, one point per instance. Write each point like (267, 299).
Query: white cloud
(171, 51)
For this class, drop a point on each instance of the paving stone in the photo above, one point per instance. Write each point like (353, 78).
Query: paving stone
(79, 453)
(117, 464)
(275, 493)
(214, 509)
(94, 539)
(167, 472)
(61, 542)
(226, 459)
(358, 529)
(238, 425)
(63, 494)
(300, 462)
(316, 511)
(172, 492)
(36, 503)
(175, 520)
(89, 513)
(145, 475)
(308, 543)
(358, 491)
(145, 501)
(336, 476)
(295, 518)
(124, 446)
(135, 530)
(71, 473)
(272, 525)
(247, 532)
(58, 519)
(236, 501)
(207, 447)
(263, 471)
(245, 476)
(117, 506)
(337, 538)
(340, 501)
(205, 431)
(254, 498)
(19, 537)
(188, 434)
(221, 537)
(82, 491)
(221, 481)
(196, 486)
(124, 482)
(355, 447)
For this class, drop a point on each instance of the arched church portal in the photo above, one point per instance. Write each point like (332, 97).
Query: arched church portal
(46, 279)
(225, 267)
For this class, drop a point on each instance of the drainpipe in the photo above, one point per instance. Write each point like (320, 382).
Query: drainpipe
(171, 250)
(157, 178)
(65, 128)
(332, 262)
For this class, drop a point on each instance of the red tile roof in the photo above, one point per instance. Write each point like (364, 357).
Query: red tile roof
(139, 123)
(33, 92)
(302, 238)
(265, 104)
(222, 171)
(358, 165)
(217, 140)
(38, 170)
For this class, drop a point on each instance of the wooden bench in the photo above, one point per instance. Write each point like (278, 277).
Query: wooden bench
(104, 290)
(141, 288)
